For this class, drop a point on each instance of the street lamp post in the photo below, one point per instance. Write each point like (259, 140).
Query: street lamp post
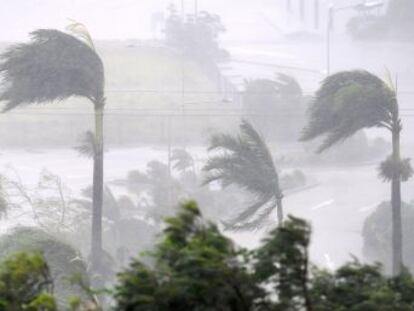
(316, 14)
(328, 39)
(196, 8)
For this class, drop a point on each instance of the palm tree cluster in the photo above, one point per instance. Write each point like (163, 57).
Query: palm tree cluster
(55, 66)
(245, 160)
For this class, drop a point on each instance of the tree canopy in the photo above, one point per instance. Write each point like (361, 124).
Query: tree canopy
(346, 103)
(195, 267)
(51, 67)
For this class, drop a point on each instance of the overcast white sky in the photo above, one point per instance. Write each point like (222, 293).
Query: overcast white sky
(124, 19)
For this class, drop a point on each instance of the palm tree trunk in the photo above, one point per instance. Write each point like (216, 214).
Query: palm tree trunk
(279, 197)
(397, 252)
(279, 207)
(97, 201)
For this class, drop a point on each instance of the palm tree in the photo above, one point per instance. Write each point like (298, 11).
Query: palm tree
(351, 101)
(246, 161)
(54, 66)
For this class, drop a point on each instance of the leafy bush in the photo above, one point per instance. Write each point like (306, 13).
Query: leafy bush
(62, 259)
(197, 268)
(376, 234)
(26, 283)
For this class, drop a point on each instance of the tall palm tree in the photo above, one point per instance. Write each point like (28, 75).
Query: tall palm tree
(54, 66)
(351, 101)
(246, 161)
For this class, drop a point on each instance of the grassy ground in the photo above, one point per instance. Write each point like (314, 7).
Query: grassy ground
(142, 84)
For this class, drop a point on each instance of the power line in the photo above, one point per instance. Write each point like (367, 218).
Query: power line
(167, 114)
(315, 71)
(144, 109)
(196, 92)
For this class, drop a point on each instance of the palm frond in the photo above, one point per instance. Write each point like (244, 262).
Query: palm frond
(388, 168)
(226, 142)
(181, 159)
(346, 103)
(87, 148)
(53, 66)
(255, 222)
(79, 30)
(245, 161)
(287, 86)
(248, 212)
(256, 144)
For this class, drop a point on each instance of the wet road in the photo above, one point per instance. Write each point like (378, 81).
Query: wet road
(336, 208)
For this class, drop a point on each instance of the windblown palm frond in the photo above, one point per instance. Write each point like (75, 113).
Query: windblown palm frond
(287, 86)
(80, 31)
(245, 161)
(388, 168)
(346, 103)
(52, 66)
(182, 160)
(88, 145)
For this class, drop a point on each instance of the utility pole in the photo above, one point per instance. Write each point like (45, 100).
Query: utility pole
(302, 10)
(328, 40)
(183, 66)
(195, 9)
(182, 10)
(288, 11)
(330, 26)
(316, 13)
(289, 6)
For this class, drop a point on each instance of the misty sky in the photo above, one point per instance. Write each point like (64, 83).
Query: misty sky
(125, 19)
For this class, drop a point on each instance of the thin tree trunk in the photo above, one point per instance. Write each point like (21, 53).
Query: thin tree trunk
(279, 207)
(305, 280)
(397, 252)
(97, 200)
(279, 196)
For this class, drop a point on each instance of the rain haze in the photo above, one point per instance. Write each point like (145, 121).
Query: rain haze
(117, 113)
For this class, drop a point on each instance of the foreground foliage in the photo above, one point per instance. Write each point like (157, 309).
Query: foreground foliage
(26, 284)
(195, 267)
(62, 259)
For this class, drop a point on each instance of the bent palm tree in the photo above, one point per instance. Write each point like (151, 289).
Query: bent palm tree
(348, 102)
(54, 66)
(246, 162)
